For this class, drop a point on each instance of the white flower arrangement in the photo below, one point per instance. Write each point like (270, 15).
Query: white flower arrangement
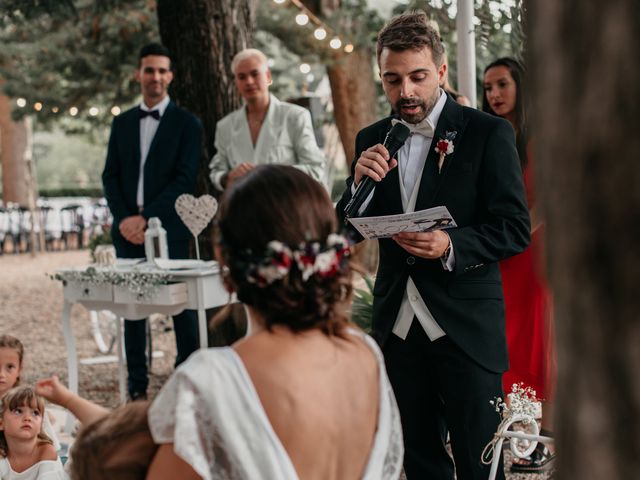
(522, 401)
(142, 284)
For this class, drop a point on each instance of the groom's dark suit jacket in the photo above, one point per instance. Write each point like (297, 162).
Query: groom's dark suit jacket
(169, 171)
(481, 185)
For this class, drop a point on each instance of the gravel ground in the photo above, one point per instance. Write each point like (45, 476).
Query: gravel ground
(31, 309)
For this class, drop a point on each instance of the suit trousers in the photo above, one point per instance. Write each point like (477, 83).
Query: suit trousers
(185, 325)
(440, 390)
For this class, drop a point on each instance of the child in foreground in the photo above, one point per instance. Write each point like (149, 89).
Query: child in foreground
(26, 452)
(11, 359)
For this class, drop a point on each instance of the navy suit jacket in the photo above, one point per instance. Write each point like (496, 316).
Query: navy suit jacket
(169, 171)
(481, 185)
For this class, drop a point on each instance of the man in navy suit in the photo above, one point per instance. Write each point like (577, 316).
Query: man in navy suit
(153, 156)
(438, 309)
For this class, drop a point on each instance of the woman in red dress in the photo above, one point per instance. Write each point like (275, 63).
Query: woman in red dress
(528, 308)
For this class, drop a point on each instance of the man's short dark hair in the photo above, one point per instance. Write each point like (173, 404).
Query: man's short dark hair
(153, 49)
(410, 31)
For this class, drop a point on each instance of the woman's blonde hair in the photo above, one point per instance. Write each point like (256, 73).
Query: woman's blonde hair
(19, 397)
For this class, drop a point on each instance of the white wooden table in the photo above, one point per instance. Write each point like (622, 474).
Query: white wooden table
(189, 289)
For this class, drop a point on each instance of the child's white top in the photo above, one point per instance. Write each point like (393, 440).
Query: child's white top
(45, 470)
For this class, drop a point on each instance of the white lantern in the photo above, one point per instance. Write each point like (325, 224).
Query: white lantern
(155, 240)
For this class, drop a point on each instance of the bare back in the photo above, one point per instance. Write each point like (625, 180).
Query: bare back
(321, 397)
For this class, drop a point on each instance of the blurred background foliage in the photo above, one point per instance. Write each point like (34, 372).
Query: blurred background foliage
(82, 53)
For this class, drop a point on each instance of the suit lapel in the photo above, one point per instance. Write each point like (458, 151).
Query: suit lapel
(451, 120)
(391, 183)
(133, 132)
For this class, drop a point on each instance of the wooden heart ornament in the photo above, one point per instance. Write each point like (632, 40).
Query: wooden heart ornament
(196, 213)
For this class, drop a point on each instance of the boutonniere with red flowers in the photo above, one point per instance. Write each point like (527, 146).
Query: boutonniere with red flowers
(444, 147)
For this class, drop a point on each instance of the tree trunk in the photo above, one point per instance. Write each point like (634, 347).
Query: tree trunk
(203, 36)
(15, 150)
(587, 105)
(353, 92)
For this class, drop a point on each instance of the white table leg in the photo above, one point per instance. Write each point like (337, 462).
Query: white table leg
(121, 361)
(202, 315)
(72, 357)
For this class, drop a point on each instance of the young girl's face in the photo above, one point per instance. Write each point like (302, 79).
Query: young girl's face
(22, 423)
(9, 369)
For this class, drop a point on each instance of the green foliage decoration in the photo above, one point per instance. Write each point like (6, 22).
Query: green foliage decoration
(362, 305)
(73, 54)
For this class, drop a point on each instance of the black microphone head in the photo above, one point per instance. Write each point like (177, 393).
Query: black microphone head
(396, 137)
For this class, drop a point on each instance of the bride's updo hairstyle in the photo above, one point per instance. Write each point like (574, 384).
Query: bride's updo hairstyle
(276, 235)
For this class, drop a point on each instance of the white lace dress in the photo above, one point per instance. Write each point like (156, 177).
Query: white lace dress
(211, 412)
(45, 470)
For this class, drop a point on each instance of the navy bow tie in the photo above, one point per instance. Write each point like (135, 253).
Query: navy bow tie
(150, 113)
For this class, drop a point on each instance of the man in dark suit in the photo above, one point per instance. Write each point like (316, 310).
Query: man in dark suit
(438, 308)
(153, 157)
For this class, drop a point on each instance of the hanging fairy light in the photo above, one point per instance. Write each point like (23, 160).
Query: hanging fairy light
(73, 111)
(37, 106)
(305, 68)
(302, 19)
(115, 111)
(279, 2)
(348, 48)
(55, 109)
(21, 102)
(93, 111)
(320, 33)
(335, 43)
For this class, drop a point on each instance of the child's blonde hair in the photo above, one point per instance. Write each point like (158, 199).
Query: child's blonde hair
(9, 341)
(20, 397)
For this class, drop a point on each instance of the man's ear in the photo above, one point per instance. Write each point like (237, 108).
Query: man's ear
(138, 75)
(442, 73)
(169, 77)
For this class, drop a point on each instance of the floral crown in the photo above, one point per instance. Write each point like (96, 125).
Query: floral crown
(311, 258)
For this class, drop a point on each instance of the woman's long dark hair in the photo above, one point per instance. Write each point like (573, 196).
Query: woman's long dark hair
(521, 126)
(278, 202)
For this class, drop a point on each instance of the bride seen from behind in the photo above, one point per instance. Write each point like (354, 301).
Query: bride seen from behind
(305, 394)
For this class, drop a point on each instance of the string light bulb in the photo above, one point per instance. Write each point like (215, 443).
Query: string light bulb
(93, 111)
(21, 102)
(73, 111)
(305, 68)
(348, 48)
(55, 109)
(279, 2)
(335, 43)
(37, 106)
(302, 19)
(320, 33)
(115, 111)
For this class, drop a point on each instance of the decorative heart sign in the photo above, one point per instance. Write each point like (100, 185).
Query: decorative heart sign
(196, 213)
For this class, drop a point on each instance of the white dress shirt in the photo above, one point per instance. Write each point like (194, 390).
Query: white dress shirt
(411, 160)
(148, 128)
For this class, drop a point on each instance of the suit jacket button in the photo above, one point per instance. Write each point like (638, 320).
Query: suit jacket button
(411, 260)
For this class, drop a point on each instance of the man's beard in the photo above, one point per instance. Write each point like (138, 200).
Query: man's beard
(425, 108)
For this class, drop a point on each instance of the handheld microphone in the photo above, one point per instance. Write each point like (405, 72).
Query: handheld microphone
(392, 142)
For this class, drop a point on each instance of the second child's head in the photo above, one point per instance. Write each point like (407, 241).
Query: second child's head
(21, 413)
(11, 354)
